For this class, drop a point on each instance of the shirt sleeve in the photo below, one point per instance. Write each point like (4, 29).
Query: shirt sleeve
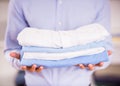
(13, 61)
(15, 23)
(103, 17)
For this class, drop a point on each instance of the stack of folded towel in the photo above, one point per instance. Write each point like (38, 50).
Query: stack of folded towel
(49, 48)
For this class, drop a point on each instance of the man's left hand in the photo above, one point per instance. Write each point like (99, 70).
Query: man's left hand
(92, 66)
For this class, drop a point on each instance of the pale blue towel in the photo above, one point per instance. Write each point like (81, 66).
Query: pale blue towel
(60, 50)
(93, 59)
(89, 59)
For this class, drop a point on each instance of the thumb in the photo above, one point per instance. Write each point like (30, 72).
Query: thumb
(15, 55)
(109, 52)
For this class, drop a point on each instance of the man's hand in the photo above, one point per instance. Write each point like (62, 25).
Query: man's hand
(32, 68)
(91, 66)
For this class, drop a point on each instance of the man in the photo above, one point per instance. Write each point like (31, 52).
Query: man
(54, 15)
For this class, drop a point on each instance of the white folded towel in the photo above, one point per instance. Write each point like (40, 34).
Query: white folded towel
(60, 56)
(57, 39)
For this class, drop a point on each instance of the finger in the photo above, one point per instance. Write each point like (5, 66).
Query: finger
(15, 55)
(81, 66)
(109, 52)
(32, 69)
(24, 68)
(100, 64)
(39, 69)
(90, 67)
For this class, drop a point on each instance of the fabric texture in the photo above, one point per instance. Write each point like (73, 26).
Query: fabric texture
(60, 56)
(62, 41)
(89, 59)
(96, 58)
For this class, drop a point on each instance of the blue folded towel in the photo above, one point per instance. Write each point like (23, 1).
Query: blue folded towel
(60, 50)
(87, 59)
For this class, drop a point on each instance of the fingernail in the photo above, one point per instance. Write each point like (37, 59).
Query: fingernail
(34, 65)
(91, 67)
(101, 64)
(109, 53)
(81, 66)
(41, 67)
(12, 54)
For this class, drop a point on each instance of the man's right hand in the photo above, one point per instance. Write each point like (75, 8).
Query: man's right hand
(32, 68)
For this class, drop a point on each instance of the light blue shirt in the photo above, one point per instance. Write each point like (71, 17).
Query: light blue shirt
(54, 15)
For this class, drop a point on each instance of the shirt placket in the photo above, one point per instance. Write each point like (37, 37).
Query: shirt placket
(59, 22)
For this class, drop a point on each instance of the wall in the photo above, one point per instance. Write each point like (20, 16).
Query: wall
(115, 17)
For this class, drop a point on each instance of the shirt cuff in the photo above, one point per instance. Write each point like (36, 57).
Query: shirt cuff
(13, 61)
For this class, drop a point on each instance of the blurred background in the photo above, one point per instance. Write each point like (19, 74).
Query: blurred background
(8, 74)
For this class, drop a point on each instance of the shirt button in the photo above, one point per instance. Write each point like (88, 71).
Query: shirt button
(60, 2)
(60, 23)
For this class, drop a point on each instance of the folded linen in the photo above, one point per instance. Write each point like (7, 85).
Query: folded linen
(63, 48)
(88, 59)
(57, 39)
(60, 56)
